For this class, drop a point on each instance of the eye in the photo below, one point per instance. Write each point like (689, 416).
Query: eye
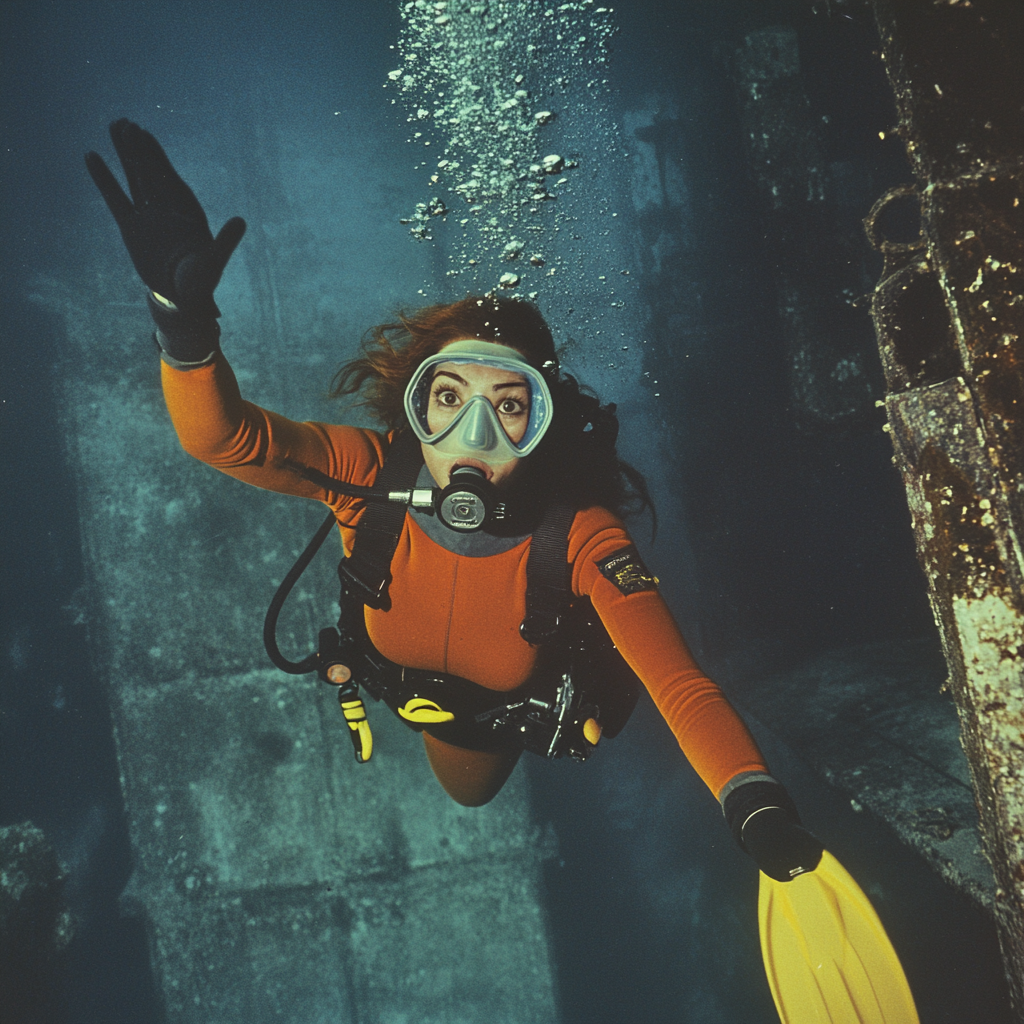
(444, 395)
(511, 407)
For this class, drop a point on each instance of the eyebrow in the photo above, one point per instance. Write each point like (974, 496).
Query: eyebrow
(494, 387)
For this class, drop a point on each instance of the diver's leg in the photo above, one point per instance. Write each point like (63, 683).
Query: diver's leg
(470, 777)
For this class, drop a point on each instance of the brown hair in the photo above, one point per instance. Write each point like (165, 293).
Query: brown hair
(578, 452)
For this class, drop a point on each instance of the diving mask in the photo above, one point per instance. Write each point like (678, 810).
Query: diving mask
(475, 430)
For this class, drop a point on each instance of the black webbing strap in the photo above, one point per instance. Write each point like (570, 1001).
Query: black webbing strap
(548, 585)
(368, 568)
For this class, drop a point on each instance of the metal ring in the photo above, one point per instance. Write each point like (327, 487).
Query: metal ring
(883, 244)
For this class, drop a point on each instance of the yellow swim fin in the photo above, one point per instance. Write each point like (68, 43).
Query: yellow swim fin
(826, 954)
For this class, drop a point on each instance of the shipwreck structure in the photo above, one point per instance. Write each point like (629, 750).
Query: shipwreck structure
(949, 315)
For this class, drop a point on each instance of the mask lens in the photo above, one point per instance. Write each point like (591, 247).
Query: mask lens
(418, 403)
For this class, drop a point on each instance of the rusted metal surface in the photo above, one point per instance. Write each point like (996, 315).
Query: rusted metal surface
(949, 316)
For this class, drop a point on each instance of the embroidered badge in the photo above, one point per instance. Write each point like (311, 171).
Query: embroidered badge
(627, 572)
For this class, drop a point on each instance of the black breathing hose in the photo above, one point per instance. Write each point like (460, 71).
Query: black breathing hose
(340, 486)
(308, 664)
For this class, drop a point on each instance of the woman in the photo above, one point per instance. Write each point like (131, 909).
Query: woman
(477, 384)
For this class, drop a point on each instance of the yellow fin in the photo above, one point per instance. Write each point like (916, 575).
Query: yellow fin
(826, 954)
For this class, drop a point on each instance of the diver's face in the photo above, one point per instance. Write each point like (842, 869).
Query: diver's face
(454, 385)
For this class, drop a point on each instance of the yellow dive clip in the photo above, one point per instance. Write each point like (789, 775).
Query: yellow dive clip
(355, 716)
(424, 711)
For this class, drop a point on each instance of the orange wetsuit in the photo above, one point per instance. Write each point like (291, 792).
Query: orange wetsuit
(458, 614)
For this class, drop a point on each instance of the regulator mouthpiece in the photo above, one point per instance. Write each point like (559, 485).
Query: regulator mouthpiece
(466, 502)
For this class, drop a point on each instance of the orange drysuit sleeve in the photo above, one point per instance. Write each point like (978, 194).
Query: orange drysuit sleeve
(449, 632)
(217, 426)
(709, 731)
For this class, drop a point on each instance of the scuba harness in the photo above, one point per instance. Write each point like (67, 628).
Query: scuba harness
(581, 689)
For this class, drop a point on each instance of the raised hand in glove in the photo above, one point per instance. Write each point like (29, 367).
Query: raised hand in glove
(764, 821)
(169, 240)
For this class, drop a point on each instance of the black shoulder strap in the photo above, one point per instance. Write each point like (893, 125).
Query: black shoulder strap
(368, 568)
(548, 583)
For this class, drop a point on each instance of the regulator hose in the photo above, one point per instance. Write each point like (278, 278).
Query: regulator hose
(310, 663)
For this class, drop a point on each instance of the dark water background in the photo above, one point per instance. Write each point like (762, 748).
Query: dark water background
(799, 542)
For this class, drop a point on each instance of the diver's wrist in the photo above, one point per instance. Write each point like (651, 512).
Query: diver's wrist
(764, 822)
(185, 341)
(182, 364)
(758, 792)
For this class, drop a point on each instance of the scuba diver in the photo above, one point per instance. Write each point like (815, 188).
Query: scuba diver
(489, 584)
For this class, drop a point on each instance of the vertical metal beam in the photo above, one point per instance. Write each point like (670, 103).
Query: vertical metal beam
(949, 316)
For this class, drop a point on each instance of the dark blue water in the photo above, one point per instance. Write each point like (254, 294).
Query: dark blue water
(789, 541)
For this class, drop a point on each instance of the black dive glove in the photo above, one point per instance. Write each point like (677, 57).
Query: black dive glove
(764, 821)
(169, 241)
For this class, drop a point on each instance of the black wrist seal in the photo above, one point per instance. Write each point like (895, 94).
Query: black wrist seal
(752, 797)
(188, 340)
(764, 821)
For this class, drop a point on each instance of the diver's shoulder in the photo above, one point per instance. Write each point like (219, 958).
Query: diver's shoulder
(593, 521)
(595, 534)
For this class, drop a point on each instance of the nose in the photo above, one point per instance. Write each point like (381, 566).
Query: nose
(479, 430)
